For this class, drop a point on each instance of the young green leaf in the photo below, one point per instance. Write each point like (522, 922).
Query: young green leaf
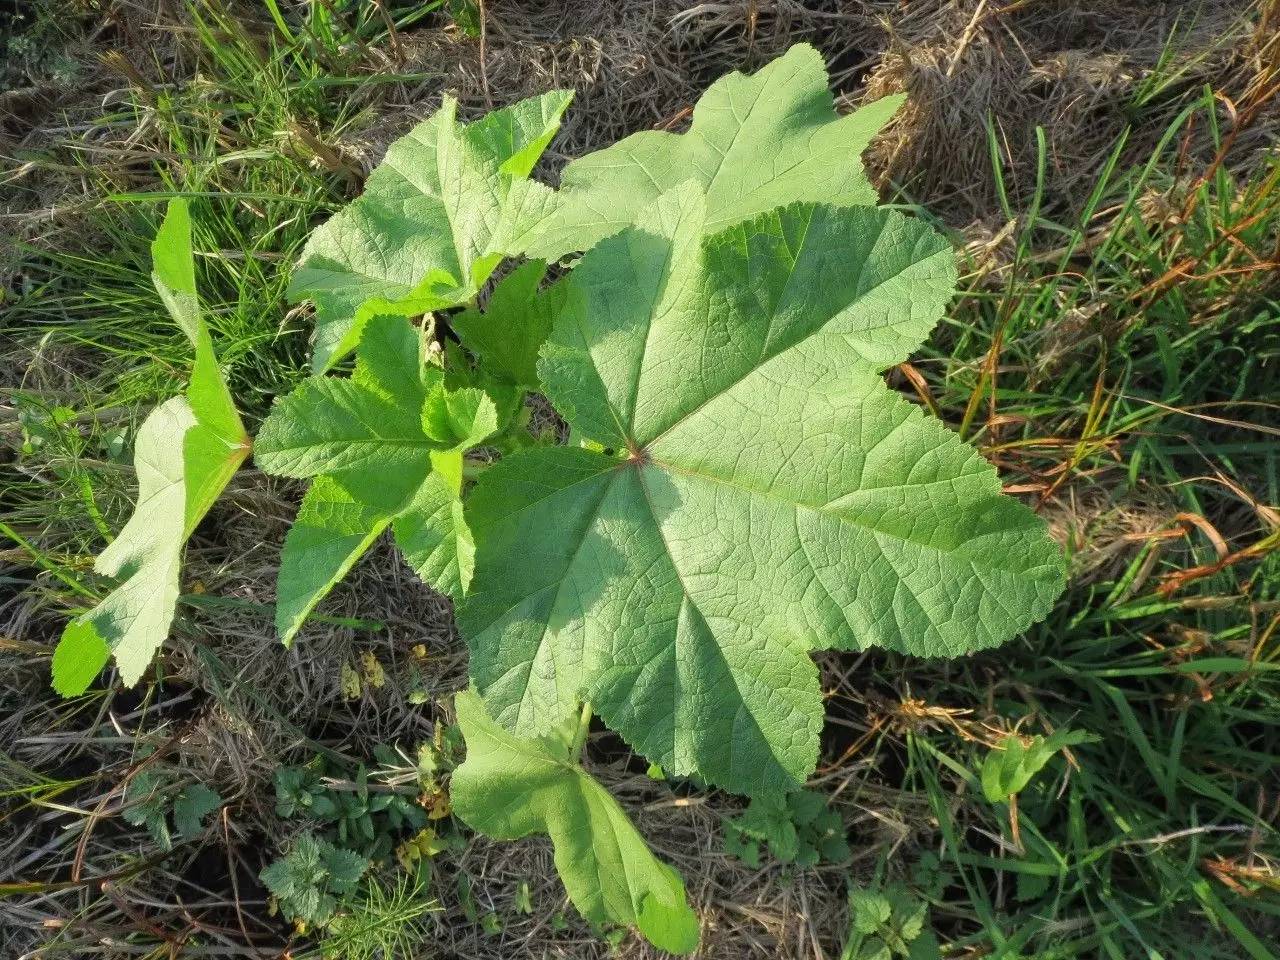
(191, 806)
(510, 788)
(799, 828)
(217, 444)
(335, 424)
(757, 142)
(185, 453)
(80, 655)
(390, 362)
(342, 515)
(345, 868)
(146, 804)
(312, 877)
(1008, 770)
(868, 909)
(887, 924)
(459, 419)
(761, 494)
(767, 819)
(330, 533)
(434, 220)
(173, 270)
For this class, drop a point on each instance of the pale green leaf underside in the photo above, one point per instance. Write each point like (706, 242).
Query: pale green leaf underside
(756, 142)
(185, 454)
(173, 271)
(770, 496)
(134, 619)
(434, 219)
(511, 787)
(217, 444)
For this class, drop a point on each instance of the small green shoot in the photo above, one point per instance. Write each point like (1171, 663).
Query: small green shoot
(383, 920)
(1007, 771)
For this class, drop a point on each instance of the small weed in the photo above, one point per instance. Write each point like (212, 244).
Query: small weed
(362, 811)
(384, 920)
(798, 828)
(885, 923)
(167, 808)
(312, 879)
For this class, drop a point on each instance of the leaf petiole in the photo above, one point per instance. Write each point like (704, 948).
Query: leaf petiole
(580, 733)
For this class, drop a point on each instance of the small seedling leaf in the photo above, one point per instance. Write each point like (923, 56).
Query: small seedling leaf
(191, 806)
(1008, 770)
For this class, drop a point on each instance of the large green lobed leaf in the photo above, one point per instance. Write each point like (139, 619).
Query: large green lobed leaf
(756, 142)
(511, 787)
(435, 218)
(760, 494)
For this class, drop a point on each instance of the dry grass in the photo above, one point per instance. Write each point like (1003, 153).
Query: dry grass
(1080, 70)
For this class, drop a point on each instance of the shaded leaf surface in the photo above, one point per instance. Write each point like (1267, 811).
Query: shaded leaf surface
(195, 802)
(434, 537)
(330, 533)
(509, 333)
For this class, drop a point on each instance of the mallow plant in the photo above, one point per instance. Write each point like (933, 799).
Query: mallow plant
(710, 315)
